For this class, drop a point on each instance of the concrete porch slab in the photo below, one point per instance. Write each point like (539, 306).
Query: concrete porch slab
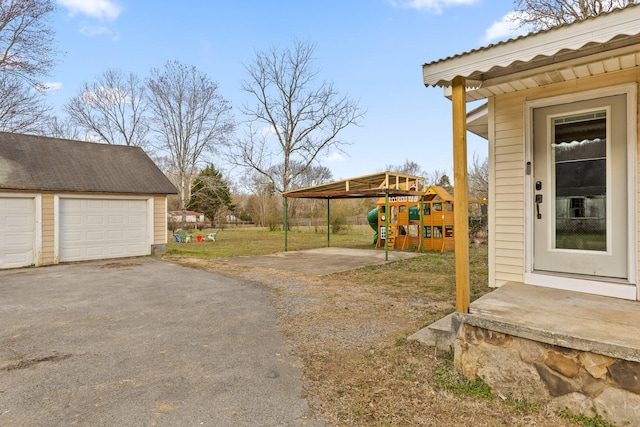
(586, 322)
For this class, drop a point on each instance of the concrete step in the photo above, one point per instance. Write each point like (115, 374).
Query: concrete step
(441, 334)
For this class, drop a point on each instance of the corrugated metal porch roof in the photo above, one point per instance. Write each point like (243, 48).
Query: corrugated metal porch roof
(606, 43)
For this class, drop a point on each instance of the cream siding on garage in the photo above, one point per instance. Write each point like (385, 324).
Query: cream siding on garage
(508, 159)
(159, 220)
(48, 230)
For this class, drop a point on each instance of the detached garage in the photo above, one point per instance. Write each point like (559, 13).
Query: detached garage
(64, 200)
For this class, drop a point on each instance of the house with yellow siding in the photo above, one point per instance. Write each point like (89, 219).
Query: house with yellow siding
(560, 113)
(63, 200)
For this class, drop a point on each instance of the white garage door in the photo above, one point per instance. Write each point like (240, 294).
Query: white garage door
(17, 231)
(102, 228)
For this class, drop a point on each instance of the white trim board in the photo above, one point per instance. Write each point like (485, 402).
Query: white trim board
(607, 289)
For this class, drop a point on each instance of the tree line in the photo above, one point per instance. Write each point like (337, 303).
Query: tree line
(178, 115)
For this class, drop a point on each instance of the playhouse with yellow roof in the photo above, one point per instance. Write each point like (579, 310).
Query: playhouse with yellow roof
(415, 222)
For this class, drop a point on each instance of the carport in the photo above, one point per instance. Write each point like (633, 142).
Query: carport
(384, 184)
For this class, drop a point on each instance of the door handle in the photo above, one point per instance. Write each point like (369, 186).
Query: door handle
(538, 201)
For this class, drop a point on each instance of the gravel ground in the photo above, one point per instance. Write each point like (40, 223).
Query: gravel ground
(349, 331)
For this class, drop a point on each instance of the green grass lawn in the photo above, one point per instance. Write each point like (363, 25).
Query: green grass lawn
(233, 242)
(585, 241)
(403, 277)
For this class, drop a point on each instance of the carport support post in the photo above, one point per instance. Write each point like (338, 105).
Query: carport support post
(386, 225)
(328, 222)
(460, 197)
(286, 224)
(421, 233)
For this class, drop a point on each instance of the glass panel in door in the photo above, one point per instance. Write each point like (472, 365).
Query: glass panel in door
(579, 153)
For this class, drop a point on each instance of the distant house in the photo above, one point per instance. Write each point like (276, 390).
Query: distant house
(63, 200)
(189, 217)
(581, 200)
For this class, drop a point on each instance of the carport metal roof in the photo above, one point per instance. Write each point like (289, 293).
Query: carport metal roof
(374, 185)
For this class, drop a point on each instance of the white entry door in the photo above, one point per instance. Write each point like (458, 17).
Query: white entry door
(580, 189)
(102, 228)
(17, 231)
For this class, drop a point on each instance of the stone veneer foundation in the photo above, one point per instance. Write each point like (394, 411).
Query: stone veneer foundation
(558, 377)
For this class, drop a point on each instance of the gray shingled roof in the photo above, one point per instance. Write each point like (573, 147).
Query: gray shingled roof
(29, 162)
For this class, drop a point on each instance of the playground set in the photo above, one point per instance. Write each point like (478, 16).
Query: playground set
(415, 222)
(420, 217)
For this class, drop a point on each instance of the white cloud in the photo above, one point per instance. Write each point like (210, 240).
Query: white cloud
(267, 131)
(434, 6)
(206, 46)
(106, 96)
(99, 9)
(92, 30)
(87, 137)
(505, 28)
(51, 86)
(334, 158)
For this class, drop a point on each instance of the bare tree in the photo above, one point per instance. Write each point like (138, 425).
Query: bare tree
(436, 177)
(164, 164)
(26, 53)
(302, 175)
(409, 167)
(263, 205)
(295, 117)
(190, 117)
(27, 50)
(312, 175)
(22, 107)
(62, 128)
(479, 178)
(544, 14)
(112, 109)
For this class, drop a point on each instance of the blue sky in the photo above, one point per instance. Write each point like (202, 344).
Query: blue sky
(370, 49)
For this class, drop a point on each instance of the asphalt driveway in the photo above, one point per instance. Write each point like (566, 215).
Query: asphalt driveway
(141, 342)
